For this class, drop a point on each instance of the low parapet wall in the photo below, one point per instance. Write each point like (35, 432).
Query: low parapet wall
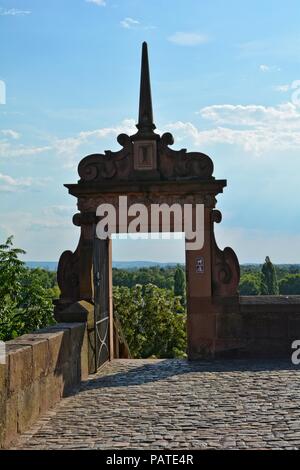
(260, 326)
(40, 369)
(270, 325)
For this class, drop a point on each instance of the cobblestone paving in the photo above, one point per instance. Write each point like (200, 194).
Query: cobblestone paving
(173, 404)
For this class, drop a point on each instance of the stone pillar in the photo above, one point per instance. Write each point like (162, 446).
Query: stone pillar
(212, 293)
(75, 270)
(200, 316)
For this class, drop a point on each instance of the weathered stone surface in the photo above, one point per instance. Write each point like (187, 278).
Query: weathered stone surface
(11, 423)
(40, 352)
(59, 348)
(3, 379)
(28, 406)
(51, 390)
(3, 396)
(84, 362)
(41, 368)
(175, 404)
(77, 312)
(20, 366)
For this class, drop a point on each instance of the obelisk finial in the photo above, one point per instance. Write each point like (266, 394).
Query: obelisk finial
(145, 125)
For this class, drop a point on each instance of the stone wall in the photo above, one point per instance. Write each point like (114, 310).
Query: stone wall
(40, 369)
(261, 326)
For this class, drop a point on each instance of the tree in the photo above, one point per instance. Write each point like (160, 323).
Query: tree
(250, 284)
(11, 269)
(161, 277)
(128, 307)
(152, 319)
(269, 284)
(290, 285)
(179, 284)
(293, 269)
(25, 305)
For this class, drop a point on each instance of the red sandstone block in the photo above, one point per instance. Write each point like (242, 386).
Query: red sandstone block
(40, 352)
(11, 422)
(51, 390)
(84, 365)
(28, 406)
(59, 349)
(20, 366)
(3, 396)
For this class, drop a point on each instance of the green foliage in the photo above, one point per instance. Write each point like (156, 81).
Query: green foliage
(47, 278)
(269, 284)
(179, 284)
(253, 282)
(153, 321)
(281, 269)
(250, 284)
(11, 269)
(25, 296)
(161, 277)
(290, 285)
(293, 269)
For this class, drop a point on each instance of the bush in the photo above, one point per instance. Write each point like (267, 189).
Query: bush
(250, 284)
(25, 304)
(290, 285)
(153, 321)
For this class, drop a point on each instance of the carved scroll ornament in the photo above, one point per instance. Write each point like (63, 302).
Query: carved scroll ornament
(68, 277)
(225, 265)
(172, 164)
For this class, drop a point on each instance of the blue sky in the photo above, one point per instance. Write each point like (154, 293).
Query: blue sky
(224, 82)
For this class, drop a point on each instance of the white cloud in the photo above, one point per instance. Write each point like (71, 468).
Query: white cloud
(129, 23)
(255, 128)
(100, 3)
(268, 68)
(11, 185)
(69, 147)
(43, 238)
(282, 88)
(188, 38)
(294, 85)
(264, 68)
(59, 211)
(14, 12)
(10, 133)
(250, 115)
(7, 150)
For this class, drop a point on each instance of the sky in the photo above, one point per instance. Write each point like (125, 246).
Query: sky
(225, 81)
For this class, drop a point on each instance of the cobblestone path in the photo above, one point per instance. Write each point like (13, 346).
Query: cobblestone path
(173, 404)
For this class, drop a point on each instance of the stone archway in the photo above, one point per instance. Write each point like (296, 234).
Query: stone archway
(148, 171)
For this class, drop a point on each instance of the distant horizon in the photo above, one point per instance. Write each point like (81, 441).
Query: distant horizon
(154, 262)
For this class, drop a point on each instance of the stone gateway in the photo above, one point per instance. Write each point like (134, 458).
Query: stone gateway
(146, 170)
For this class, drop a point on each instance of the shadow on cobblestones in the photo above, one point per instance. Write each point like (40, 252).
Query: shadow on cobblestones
(170, 369)
(176, 404)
